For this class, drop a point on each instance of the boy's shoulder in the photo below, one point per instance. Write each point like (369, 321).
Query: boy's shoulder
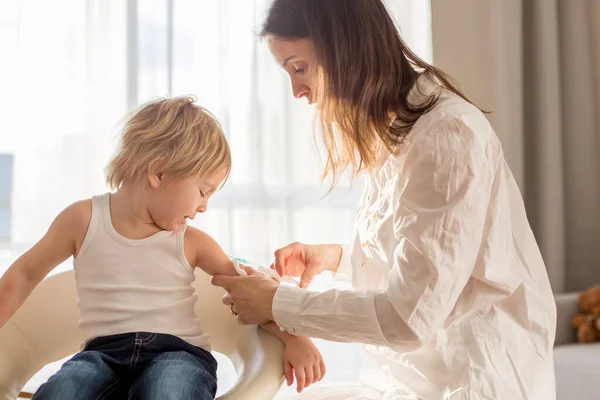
(78, 215)
(197, 241)
(194, 235)
(73, 222)
(194, 240)
(80, 211)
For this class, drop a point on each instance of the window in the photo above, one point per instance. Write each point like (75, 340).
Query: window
(6, 175)
(76, 67)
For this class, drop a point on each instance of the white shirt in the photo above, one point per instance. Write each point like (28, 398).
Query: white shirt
(452, 298)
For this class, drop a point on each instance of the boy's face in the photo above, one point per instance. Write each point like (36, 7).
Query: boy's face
(173, 201)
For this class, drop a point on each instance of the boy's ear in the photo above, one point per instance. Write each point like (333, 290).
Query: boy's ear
(155, 177)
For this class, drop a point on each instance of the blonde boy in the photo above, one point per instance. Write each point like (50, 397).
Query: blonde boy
(134, 260)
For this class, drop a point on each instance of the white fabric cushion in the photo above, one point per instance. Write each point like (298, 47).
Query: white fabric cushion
(577, 367)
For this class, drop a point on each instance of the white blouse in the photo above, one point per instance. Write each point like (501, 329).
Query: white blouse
(451, 296)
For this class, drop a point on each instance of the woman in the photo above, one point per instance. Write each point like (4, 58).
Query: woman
(451, 297)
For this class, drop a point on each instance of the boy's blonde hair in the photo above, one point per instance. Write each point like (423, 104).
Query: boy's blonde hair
(173, 136)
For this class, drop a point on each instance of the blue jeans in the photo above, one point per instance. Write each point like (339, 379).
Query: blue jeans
(138, 365)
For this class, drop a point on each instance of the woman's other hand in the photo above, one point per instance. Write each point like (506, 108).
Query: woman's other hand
(307, 261)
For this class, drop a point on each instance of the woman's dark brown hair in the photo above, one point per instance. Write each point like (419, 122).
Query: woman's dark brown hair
(366, 72)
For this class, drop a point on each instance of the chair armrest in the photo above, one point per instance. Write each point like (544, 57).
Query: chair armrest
(19, 360)
(256, 355)
(42, 331)
(567, 305)
(258, 361)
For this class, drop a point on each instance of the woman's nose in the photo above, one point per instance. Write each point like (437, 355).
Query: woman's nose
(300, 91)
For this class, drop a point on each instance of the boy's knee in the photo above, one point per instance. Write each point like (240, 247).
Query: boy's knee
(83, 375)
(178, 375)
(186, 391)
(61, 386)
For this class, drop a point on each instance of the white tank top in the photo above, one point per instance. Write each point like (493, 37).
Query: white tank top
(126, 285)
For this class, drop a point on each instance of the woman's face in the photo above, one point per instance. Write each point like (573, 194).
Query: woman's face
(298, 59)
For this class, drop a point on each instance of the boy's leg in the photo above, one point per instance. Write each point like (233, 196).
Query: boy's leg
(100, 371)
(88, 375)
(173, 369)
(176, 375)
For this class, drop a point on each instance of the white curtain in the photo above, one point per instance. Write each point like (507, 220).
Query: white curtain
(63, 81)
(75, 67)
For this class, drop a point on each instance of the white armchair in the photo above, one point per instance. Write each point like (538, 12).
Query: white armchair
(45, 330)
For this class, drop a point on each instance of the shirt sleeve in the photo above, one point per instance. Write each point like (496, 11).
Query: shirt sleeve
(443, 193)
(345, 267)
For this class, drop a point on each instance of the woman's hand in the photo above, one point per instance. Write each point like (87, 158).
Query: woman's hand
(251, 296)
(301, 358)
(307, 261)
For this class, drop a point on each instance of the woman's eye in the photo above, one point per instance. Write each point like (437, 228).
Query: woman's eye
(300, 70)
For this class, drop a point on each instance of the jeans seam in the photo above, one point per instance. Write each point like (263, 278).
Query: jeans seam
(108, 390)
(135, 353)
(149, 339)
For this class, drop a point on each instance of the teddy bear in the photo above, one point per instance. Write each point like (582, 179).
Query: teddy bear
(587, 323)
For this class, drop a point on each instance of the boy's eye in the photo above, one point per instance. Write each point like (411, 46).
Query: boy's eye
(201, 193)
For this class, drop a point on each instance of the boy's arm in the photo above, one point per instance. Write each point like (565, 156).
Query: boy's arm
(274, 330)
(301, 357)
(204, 252)
(27, 271)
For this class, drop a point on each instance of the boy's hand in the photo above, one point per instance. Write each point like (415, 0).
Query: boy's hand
(302, 358)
